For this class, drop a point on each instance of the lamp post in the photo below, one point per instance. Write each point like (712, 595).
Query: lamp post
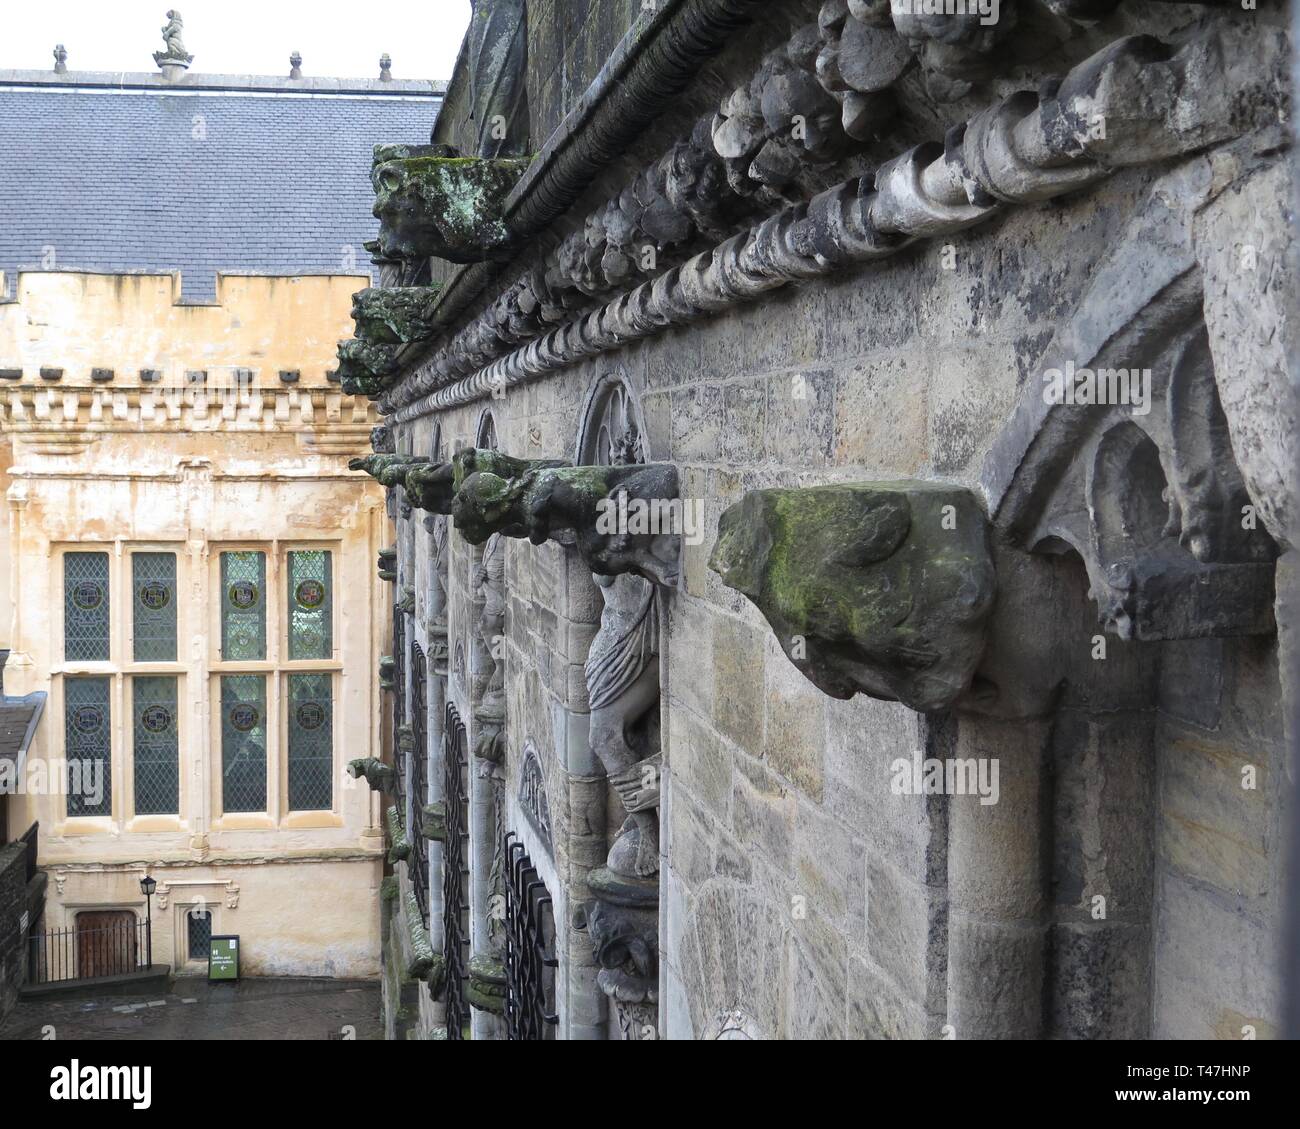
(147, 887)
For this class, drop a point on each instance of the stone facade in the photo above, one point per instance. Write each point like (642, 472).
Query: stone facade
(966, 695)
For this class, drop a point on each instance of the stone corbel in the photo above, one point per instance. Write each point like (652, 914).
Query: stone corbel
(388, 564)
(401, 847)
(406, 604)
(422, 954)
(377, 774)
(620, 518)
(387, 671)
(366, 369)
(623, 926)
(434, 825)
(433, 203)
(394, 315)
(881, 588)
(486, 986)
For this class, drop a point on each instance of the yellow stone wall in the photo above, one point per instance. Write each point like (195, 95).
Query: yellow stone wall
(127, 465)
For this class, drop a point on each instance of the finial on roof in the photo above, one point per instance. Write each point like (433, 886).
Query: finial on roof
(60, 59)
(295, 64)
(385, 68)
(175, 61)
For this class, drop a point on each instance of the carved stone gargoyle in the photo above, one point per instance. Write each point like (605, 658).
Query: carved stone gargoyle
(400, 849)
(623, 927)
(880, 588)
(388, 564)
(433, 203)
(377, 774)
(387, 469)
(387, 671)
(486, 987)
(366, 369)
(622, 518)
(394, 315)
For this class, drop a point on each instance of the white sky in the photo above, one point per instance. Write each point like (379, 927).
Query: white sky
(337, 38)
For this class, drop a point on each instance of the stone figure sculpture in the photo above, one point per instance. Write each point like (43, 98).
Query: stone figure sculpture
(490, 581)
(623, 518)
(622, 672)
(60, 59)
(880, 588)
(175, 54)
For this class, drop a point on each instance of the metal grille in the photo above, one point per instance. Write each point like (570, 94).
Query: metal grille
(119, 947)
(88, 746)
(155, 746)
(243, 607)
(153, 582)
(399, 704)
(419, 857)
(455, 876)
(311, 742)
(198, 927)
(85, 607)
(243, 742)
(530, 945)
(310, 605)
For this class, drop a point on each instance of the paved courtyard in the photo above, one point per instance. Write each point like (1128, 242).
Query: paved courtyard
(195, 1009)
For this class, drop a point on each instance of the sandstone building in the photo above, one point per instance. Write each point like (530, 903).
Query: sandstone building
(187, 561)
(841, 467)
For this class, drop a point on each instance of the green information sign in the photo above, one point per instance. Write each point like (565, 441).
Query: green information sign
(223, 959)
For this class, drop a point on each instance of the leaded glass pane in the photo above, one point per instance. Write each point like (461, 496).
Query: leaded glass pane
(199, 929)
(85, 607)
(155, 748)
(243, 742)
(310, 605)
(311, 742)
(88, 745)
(153, 582)
(243, 606)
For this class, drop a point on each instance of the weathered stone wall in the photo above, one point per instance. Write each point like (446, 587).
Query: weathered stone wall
(802, 896)
(13, 905)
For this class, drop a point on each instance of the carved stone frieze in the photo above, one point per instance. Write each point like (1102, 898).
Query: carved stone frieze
(881, 588)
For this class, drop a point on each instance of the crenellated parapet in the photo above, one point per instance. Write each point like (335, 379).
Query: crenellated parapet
(433, 203)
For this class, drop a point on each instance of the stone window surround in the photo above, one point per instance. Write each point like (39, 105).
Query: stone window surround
(197, 587)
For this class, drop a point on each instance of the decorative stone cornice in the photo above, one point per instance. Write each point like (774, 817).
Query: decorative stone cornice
(1157, 103)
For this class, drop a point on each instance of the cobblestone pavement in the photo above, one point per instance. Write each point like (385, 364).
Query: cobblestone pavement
(195, 1009)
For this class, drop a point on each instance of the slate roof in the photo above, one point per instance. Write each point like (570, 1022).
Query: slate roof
(123, 173)
(18, 718)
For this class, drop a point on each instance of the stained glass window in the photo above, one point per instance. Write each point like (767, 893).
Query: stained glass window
(311, 742)
(310, 605)
(155, 749)
(243, 606)
(88, 745)
(153, 582)
(85, 607)
(243, 742)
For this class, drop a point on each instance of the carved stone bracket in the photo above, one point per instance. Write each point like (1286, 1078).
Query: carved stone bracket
(623, 925)
(393, 315)
(387, 671)
(435, 822)
(400, 847)
(880, 588)
(486, 986)
(433, 203)
(377, 774)
(621, 518)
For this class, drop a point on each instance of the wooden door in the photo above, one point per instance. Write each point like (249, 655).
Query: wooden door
(106, 943)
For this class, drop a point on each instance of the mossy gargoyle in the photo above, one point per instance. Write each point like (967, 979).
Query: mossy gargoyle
(879, 588)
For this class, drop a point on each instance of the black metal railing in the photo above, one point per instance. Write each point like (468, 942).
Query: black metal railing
(530, 948)
(419, 857)
(455, 877)
(28, 840)
(88, 954)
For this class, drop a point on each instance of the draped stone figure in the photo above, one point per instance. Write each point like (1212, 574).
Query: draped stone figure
(497, 43)
(622, 686)
(490, 579)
